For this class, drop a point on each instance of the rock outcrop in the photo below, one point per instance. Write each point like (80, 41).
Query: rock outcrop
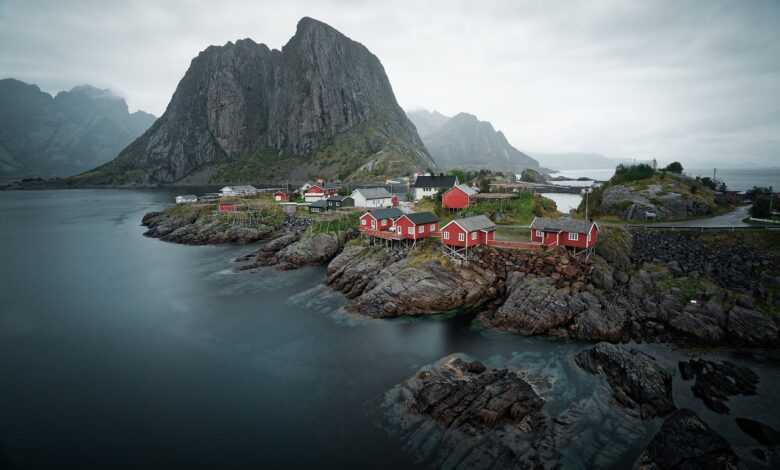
(243, 112)
(200, 227)
(716, 382)
(464, 141)
(419, 284)
(64, 135)
(460, 414)
(685, 441)
(638, 383)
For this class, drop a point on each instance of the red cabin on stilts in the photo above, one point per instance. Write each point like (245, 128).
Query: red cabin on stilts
(458, 197)
(417, 226)
(461, 234)
(564, 232)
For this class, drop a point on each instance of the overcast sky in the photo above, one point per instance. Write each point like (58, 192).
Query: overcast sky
(693, 81)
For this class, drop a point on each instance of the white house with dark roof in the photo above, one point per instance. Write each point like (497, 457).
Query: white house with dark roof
(429, 185)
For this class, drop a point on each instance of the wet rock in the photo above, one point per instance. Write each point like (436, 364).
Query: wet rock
(702, 325)
(638, 383)
(418, 285)
(460, 414)
(686, 442)
(310, 249)
(352, 270)
(198, 226)
(534, 305)
(764, 434)
(606, 324)
(716, 382)
(751, 327)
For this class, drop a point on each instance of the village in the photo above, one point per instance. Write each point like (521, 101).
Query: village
(436, 207)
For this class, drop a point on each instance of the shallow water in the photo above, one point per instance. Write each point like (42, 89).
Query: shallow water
(119, 349)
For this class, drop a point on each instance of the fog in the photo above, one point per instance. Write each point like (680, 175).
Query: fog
(697, 82)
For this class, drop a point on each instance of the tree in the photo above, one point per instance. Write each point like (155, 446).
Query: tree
(675, 167)
(484, 185)
(762, 202)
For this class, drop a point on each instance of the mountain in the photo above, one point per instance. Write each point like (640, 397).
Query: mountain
(322, 106)
(76, 130)
(465, 142)
(575, 161)
(427, 122)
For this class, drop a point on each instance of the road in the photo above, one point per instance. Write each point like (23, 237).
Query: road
(732, 219)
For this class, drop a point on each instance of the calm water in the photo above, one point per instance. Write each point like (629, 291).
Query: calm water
(116, 349)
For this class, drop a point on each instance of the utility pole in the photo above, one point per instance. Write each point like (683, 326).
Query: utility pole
(586, 191)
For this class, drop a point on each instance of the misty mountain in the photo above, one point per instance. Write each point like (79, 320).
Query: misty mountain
(575, 161)
(322, 106)
(72, 132)
(463, 141)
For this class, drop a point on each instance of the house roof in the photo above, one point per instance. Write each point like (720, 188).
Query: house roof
(474, 223)
(466, 189)
(564, 224)
(419, 218)
(373, 193)
(332, 186)
(435, 181)
(321, 203)
(247, 187)
(309, 189)
(389, 213)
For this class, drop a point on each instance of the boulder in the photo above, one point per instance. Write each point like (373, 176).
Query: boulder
(419, 285)
(751, 328)
(352, 270)
(460, 414)
(686, 442)
(534, 306)
(606, 324)
(638, 383)
(763, 433)
(716, 382)
(310, 249)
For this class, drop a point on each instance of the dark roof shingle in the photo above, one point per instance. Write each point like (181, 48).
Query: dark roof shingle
(434, 182)
(389, 213)
(419, 218)
(564, 224)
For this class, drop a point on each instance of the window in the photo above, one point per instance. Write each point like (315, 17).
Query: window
(410, 230)
(384, 222)
(574, 236)
(446, 235)
(420, 229)
(539, 234)
(461, 237)
(433, 227)
(373, 225)
(473, 235)
(363, 222)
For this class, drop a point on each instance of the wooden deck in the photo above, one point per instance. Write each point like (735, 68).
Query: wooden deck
(515, 245)
(383, 234)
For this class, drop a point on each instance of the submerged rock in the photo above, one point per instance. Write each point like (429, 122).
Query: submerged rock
(717, 382)
(460, 414)
(686, 442)
(637, 381)
(761, 432)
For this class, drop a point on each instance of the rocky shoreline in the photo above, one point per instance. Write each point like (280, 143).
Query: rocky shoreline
(643, 286)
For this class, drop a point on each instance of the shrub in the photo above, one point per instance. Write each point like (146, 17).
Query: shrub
(625, 174)
(675, 167)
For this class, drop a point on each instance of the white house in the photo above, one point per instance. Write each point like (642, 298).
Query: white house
(428, 186)
(372, 197)
(186, 199)
(243, 190)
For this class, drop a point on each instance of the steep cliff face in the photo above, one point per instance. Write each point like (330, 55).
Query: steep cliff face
(464, 141)
(321, 106)
(76, 130)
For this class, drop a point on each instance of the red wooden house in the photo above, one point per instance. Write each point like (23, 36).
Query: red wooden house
(417, 225)
(379, 219)
(458, 197)
(227, 206)
(564, 232)
(468, 232)
(281, 196)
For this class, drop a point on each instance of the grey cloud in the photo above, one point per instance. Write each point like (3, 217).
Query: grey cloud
(688, 80)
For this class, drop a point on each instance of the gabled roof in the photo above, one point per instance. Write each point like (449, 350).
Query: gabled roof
(373, 193)
(474, 223)
(247, 187)
(466, 189)
(331, 186)
(389, 213)
(419, 218)
(435, 181)
(322, 203)
(338, 198)
(314, 186)
(564, 224)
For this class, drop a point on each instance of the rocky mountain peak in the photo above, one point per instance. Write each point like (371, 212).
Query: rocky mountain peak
(322, 106)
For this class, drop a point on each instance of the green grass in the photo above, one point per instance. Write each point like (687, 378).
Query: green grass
(690, 288)
(519, 210)
(335, 224)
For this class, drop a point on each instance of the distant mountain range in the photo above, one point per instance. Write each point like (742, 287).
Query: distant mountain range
(465, 142)
(322, 106)
(67, 134)
(582, 161)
